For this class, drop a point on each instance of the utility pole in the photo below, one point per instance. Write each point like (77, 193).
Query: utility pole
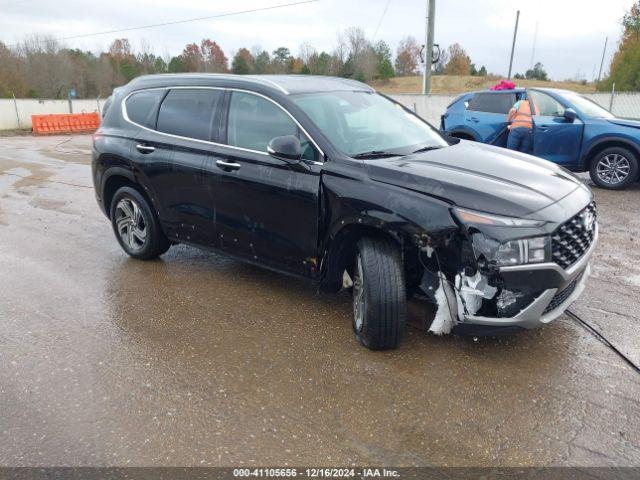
(428, 48)
(513, 45)
(604, 51)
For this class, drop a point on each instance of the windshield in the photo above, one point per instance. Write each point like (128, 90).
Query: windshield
(586, 106)
(361, 122)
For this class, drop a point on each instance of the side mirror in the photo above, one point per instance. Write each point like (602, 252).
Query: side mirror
(451, 140)
(570, 114)
(285, 148)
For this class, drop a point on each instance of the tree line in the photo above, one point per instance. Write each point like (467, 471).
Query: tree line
(624, 70)
(41, 67)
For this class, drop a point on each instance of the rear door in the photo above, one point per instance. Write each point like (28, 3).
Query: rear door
(151, 151)
(487, 116)
(187, 119)
(265, 210)
(554, 137)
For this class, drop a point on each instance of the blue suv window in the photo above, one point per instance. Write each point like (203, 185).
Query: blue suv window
(492, 102)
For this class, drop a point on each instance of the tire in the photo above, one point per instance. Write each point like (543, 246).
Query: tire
(136, 226)
(614, 168)
(379, 298)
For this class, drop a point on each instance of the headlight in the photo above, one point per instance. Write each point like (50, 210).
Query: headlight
(514, 252)
(520, 252)
(470, 217)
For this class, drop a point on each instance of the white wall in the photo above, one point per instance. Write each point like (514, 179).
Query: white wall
(28, 107)
(430, 107)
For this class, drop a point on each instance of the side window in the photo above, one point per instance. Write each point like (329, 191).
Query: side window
(189, 112)
(254, 122)
(545, 104)
(492, 102)
(141, 107)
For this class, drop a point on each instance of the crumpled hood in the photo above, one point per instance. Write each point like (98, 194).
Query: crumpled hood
(479, 177)
(624, 122)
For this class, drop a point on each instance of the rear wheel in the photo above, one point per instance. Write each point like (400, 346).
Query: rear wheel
(614, 168)
(135, 225)
(379, 298)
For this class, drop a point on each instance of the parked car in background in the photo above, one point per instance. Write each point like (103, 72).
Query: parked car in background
(323, 178)
(569, 130)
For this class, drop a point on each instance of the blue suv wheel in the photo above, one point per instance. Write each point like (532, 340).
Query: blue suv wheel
(614, 168)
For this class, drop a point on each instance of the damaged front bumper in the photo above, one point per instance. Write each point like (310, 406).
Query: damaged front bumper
(560, 289)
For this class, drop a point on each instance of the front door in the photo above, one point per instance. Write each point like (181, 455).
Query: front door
(265, 210)
(555, 138)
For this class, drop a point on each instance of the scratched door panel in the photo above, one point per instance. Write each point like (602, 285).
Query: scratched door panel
(265, 211)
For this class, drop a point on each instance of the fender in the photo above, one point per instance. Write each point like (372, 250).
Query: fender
(595, 144)
(412, 219)
(126, 170)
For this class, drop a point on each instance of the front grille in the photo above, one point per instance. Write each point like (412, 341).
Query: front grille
(573, 238)
(560, 297)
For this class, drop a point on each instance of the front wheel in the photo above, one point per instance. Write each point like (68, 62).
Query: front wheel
(614, 168)
(379, 298)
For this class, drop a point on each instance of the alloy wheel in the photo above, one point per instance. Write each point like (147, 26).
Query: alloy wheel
(130, 224)
(613, 169)
(358, 296)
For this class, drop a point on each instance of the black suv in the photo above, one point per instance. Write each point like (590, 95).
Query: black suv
(323, 178)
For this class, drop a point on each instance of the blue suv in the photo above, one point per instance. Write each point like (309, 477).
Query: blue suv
(569, 130)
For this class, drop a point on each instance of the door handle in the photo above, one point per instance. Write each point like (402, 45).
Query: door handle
(543, 129)
(474, 119)
(227, 165)
(145, 148)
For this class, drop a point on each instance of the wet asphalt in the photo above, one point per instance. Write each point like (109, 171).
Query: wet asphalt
(198, 360)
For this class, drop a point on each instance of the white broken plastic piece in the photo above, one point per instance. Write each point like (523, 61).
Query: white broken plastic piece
(471, 291)
(346, 280)
(506, 298)
(447, 312)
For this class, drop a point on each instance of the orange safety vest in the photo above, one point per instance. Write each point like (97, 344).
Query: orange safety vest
(523, 117)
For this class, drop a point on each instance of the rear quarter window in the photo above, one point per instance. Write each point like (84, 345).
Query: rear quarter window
(141, 107)
(492, 102)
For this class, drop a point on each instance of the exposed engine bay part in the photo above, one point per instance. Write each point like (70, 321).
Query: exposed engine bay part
(470, 292)
(507, 298)
(347, 281)
(447, 313)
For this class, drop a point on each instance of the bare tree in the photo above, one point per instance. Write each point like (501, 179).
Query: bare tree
(459, 62)
(307, 51)
(407, 56)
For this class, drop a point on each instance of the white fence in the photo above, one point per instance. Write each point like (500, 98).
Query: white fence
(16, 114)
(430, 107)
(625, 105)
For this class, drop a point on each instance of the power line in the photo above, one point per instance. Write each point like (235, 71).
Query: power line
(384, 12)
(17, 2)
(176, 22)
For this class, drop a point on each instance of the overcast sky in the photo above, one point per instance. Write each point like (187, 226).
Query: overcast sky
(571, 33)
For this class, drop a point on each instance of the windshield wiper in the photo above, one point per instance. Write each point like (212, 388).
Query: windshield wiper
(428, 148)
(375, 154)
